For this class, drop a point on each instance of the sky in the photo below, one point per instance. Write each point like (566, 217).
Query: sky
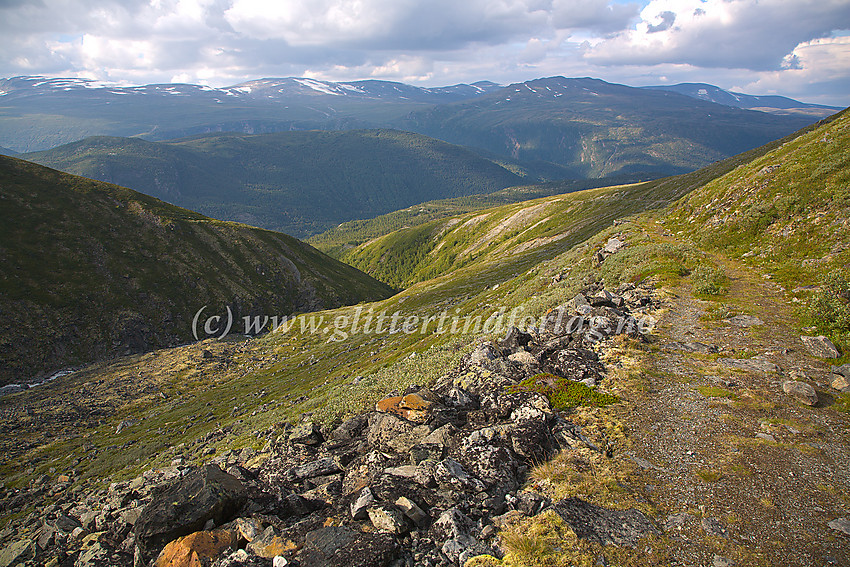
(796, 48)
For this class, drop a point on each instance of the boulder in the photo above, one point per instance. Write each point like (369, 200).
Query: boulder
(349, 429)
(388, 432)
(451, 475)
(311, 469)
(820, 346)
(306, 433)
(604, 526)
(196, 549)
(269, 544)
(387, 518)
(340, 546)
(801, 392)
(203, 494)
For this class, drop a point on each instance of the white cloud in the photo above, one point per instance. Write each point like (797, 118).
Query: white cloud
(751, 34)
(219, 42)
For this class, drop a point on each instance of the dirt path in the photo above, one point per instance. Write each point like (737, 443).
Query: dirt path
(743, 472)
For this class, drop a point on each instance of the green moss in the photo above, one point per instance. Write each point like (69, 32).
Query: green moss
(842, 403)
(715, 392)
(564, 393)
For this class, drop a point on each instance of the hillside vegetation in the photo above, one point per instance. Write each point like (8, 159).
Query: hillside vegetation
(91, 269)
(342, 238)
(425, 248)
(300, 183)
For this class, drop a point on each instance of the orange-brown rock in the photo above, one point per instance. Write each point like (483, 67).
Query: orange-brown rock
(411, 407)
(196, 550)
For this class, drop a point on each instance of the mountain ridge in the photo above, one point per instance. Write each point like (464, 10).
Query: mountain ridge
(92, 270)
(300, 183)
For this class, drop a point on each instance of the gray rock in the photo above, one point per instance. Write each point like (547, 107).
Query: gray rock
(340, 546)
(319, 467)
(841, 524)
(601, 525)
(745, 321)
(306, 433)
(205, 493)
(755, 364)
(66, 524)
(523, 357)
(387, 518)
(349, 429)
(360, 506)
(241, 558)
(720, 561)
(450, 474)
(820, 346)
(713, 527)
(454, 528)
(414, 513)
(801, 392)
(613, 245)
(16, 552)
(426, 452)
(387, 432)
(483, 354)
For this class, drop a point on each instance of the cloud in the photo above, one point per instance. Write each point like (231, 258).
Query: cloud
(821, 65)
(765, 43)
(751, 34)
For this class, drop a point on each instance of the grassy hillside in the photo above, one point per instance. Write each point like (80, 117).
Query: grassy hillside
(91, 269)
(598, 128)
(425, 248)
(300, 183)
(786, 214)
(344, 237)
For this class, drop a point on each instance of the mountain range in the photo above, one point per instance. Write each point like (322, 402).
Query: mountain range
(38, 113)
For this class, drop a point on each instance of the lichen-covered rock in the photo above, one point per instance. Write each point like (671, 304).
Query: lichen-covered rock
(205, 493)
(604, 526)
(388, 432)
(387, 518)
(340, 546)
(801, 392)
(820, 346)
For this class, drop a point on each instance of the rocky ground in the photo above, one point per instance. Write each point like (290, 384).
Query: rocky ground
(428, 478)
